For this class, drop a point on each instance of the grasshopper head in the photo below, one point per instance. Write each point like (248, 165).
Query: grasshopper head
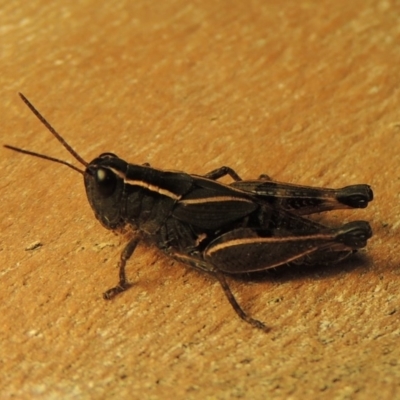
(104, 185)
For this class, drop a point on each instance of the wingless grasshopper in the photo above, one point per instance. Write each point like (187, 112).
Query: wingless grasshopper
(218, 228)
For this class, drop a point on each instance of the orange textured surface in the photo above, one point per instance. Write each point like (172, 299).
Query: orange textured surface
(306, 93)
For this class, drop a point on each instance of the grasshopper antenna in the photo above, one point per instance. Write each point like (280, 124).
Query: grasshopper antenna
(56, 135)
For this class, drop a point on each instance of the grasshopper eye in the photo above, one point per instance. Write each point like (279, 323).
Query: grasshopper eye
(106, 181)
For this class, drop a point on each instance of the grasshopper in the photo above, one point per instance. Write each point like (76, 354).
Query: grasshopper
(218, 228)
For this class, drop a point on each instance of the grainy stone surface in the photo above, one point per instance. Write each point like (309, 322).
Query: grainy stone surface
(306, 92)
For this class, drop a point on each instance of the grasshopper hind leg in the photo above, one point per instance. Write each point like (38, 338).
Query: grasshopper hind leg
(202, 265)
(239, 311)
